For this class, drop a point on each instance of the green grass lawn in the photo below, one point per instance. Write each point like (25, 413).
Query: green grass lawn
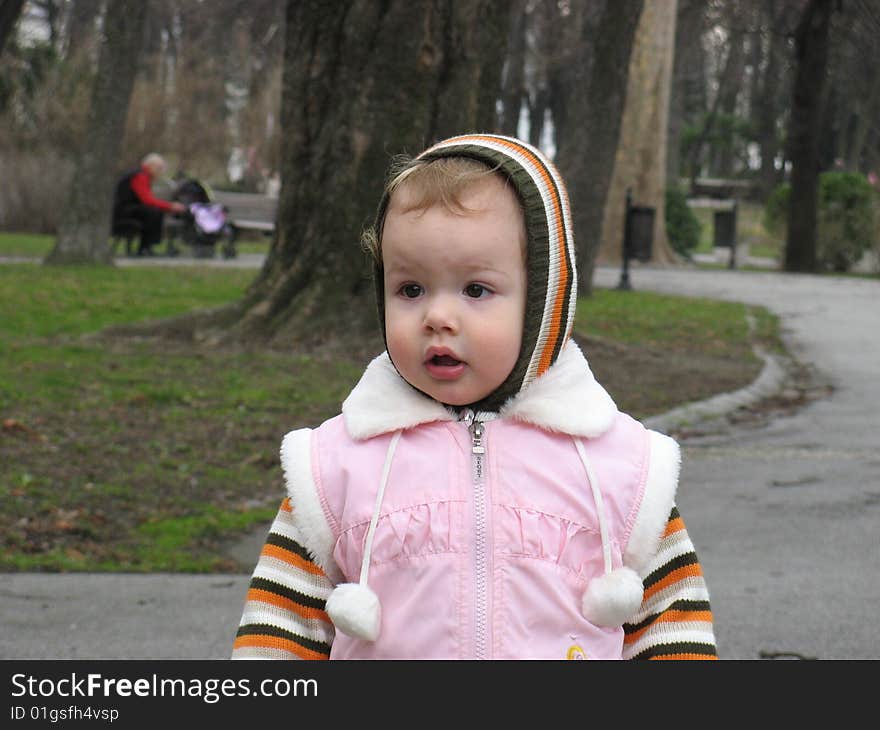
(129, 455)
(134, 456)
(37, 245)
(25, 244)
(658, 320)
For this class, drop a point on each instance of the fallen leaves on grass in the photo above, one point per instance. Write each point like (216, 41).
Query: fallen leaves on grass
(66, 520)
(16, 427)
(260, 459)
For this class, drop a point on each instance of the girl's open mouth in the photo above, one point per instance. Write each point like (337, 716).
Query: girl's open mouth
(444, 367)
(446, 360)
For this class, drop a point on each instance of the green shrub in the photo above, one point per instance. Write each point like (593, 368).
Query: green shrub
(682, 226)
(846, 217)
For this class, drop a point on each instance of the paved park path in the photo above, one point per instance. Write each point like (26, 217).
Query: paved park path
(785, 515)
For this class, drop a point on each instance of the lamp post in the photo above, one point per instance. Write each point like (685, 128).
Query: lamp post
(624, 282)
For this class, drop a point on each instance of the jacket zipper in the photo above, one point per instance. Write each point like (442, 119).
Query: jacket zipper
(481, 539)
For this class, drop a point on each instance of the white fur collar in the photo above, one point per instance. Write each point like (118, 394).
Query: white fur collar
(566, 398)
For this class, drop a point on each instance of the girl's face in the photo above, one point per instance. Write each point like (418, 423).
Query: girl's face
(455, 292)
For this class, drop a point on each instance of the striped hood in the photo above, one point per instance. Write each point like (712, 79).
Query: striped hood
(551, 295)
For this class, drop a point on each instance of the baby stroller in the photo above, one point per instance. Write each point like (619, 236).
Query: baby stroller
(205, 223)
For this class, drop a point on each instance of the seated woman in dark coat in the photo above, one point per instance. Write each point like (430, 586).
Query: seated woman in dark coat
(134, 201)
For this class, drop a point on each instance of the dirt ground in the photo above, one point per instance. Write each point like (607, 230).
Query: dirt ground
(82, 487)
(645, 381)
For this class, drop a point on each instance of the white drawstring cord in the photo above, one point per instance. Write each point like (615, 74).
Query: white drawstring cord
(353, 607)
(613, 597)
(368, 546)
(600, 504)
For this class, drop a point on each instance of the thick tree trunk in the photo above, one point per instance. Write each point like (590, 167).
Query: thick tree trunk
(593, 118)
(81, 26)
(811, 51)
(640, 160)
(569, 44)
(468, 87)
(363, 81)
(85, 223)
(9, 12)
(513, 81)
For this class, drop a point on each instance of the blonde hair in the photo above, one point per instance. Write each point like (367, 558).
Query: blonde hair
(442, 181)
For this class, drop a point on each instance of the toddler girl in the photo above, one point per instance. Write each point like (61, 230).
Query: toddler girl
(480, 495)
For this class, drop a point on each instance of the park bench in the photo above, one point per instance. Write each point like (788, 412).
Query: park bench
(244, 211)
(249, 211)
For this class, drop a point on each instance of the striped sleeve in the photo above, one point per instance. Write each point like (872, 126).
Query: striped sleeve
(284, 614)
(675, 620)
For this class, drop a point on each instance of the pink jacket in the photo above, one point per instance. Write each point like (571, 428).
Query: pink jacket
(483, 540)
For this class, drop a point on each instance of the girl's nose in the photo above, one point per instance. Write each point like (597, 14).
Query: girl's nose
(440, 315)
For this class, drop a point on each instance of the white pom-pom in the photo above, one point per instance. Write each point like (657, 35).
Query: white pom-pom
(613, 598)
(355, 610)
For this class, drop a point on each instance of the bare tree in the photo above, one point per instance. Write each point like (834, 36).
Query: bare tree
(472, 52)
(728, 82)
(542, 45)
(688, 92)
(811, 52)
(51, 11)
(593, 113)
(9, 12)
(854, 56)
(513, 84)
(569, 45)
(729, 92)
(208, 85)
(85, 224)
(770, 106)
(640, 160)
(363, 81)
(81, 26)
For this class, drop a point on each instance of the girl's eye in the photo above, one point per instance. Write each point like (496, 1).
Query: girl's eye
(476, 290)
(411, 291)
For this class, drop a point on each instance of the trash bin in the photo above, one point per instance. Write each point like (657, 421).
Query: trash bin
(640, 236)
(725, 228)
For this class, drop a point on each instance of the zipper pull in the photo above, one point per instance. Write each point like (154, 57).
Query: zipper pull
(477, 438)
